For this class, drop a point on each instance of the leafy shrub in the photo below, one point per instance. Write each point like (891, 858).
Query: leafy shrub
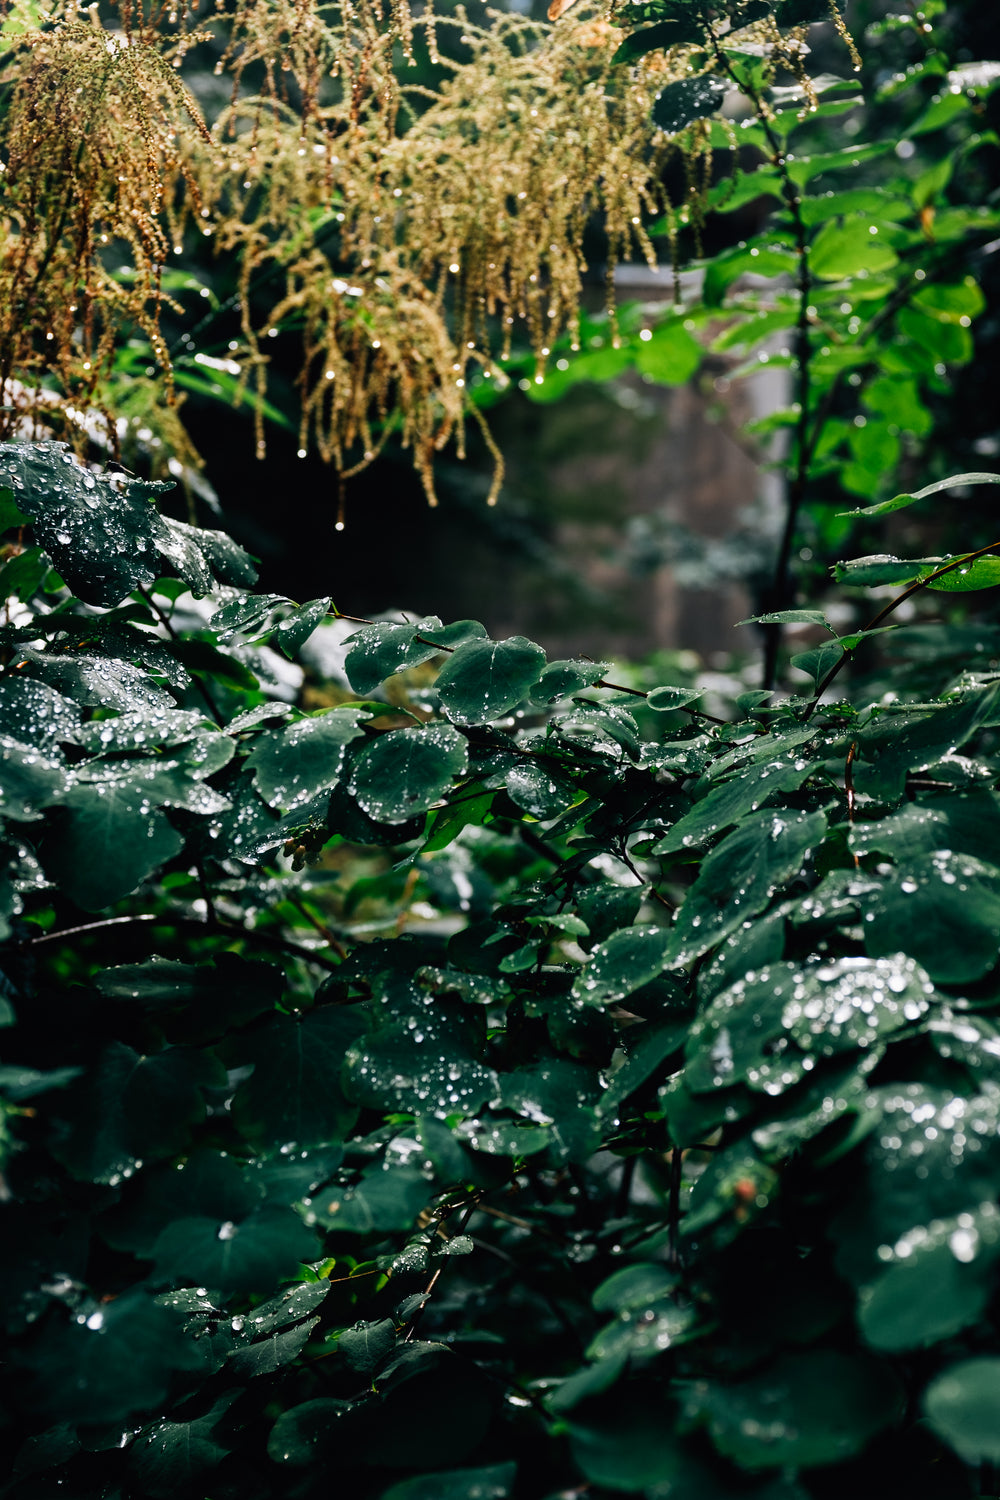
(659, 1155)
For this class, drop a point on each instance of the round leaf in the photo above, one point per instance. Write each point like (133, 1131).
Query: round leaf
(484, 679)
(963, 1407)
(407, 770)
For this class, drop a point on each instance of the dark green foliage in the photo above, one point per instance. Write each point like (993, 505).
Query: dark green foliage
(660, 1155)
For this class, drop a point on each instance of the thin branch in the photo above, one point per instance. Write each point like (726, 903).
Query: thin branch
(164, 620)
(321, 927)
(914, 588)
(470, 1210)
(186, 924)
(781, 580)
(67, 932)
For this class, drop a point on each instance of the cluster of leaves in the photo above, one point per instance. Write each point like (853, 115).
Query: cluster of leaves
(659, 1155)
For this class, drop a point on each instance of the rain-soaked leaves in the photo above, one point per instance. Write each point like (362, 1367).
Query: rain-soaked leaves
(948, 904)
(770, 1029)
(937, 1280)
(740, 876)
(651, 1086)
(102, 532)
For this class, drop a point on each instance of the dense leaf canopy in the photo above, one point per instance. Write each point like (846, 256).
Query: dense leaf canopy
(659, 1151)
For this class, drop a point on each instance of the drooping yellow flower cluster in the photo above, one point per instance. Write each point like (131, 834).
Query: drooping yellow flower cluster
(404, 232)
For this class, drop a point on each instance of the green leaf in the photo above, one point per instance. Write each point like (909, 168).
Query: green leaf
(245, 1255)
(663, 699)
(633, 1287)
(560, 1095)
(424, 1057)
(740, 876)
(296, 762)
(101, 531)
(760, 257)
(899, 502)
(806, 1410)
(849, 247)
(725, 804)
(621, 964)
(29, 780)
(485, 679)
(944, 341)
(963, 299)
(909, 740)
(606, 907)
(671, 355)
(403, 773)
(539, 789)
(174, 1457)
(649, 1053)
(949, 908)
(916, 1167)
(493, 1483)
(131, 1108)
(789, 617)
(381, 650)
(386, 1198)
(293, 632)
(624, 1439)
(76, 1366)
(963, 1407)
(291, 1305)
(366, 1345)
(561, 679)
(687, 100)
(938, 1281)
(294, 1094)
(11, 519)
(311, 1431)
(207, 1184)
(676, 32)
(22, 576)
(17, 1083)
(979, 573)
(194, 1002)
(769, 1028)
(104, 841)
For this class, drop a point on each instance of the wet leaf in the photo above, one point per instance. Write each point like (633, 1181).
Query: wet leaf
(295, 763)
(485, 679)
(493, 1483)
(294, 1095)
(407, 770)
(963, 1407)
(806, 1410)
(621, 964)
(689, 99)
(937, 1281)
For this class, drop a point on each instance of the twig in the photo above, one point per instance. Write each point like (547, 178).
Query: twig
(914, 588)
(434, 1279)
(320, 927)
(66, 932)
(780, 583)
(674, 1209)
(849, 788)
(164, 620)
(186, 924)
